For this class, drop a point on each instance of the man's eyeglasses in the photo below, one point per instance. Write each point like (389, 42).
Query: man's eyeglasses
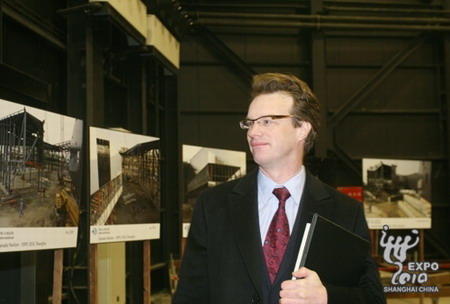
(264, 121)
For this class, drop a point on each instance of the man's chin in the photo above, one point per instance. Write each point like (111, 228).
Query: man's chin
(259, 159)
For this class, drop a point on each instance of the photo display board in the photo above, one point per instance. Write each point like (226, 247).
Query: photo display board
(204, 168)
(124, 186)
(397, 193)
(40, 178)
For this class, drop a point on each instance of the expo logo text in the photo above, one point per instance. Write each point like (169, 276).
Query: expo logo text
(414, 273)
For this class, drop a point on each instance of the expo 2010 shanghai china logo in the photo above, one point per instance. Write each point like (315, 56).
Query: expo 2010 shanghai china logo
(409, 278)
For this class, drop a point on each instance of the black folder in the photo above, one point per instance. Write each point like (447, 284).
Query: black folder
(335, 253)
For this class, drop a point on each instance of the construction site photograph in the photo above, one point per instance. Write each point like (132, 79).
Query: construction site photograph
(397, 193)
(204, 168)
(125, 186)
(40, 178)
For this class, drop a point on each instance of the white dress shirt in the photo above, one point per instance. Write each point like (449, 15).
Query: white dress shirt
(268, 202)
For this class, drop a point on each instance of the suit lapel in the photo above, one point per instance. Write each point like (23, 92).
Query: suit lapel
(315, 199)
(243, 207)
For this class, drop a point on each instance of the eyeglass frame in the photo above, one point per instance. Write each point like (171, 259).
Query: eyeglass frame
(273, 117)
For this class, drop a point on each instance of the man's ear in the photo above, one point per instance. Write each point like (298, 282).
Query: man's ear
(304, 129)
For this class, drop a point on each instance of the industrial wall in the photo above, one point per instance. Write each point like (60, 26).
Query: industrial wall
(380, 69)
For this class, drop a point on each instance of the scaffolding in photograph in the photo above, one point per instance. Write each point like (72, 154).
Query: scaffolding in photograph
(211, 175)
(24, 154)
(27, 163)
(104, 200)
(141, 165)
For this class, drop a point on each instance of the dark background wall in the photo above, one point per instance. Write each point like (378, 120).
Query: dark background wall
(380, 68)
(380, 72)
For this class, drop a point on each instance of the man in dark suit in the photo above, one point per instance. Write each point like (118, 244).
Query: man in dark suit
(244, 236)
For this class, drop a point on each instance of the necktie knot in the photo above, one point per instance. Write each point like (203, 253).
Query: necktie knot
(282, 194)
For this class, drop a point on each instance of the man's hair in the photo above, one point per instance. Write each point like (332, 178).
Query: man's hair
(306, 106)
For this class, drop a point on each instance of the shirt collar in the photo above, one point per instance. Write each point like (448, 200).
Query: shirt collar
(294, 185)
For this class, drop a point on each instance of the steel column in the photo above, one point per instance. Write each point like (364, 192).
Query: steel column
(446, 76)
(80, 103)
(319, 72)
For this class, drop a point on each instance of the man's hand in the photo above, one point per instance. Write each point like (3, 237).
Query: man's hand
(307, 289)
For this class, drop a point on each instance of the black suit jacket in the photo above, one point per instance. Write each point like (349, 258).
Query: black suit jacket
(223, 260)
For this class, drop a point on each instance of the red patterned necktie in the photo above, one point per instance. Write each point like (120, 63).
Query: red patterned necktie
(277, 236)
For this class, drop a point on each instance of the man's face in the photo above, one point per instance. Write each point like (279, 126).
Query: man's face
(278, 145)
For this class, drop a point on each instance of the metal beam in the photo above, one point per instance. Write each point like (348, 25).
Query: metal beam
(319, 24)
(326, 142)
(373, 82)
(26, 19)
(346, 159)
(144, 52)
(82, 102)
(135, 37)
(315, 17)
(407, 9)
(446, 88)
(104, 10)
(233, 61)
(24, 84)
(318, 71)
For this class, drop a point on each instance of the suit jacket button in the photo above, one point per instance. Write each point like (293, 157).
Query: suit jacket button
(255, 299)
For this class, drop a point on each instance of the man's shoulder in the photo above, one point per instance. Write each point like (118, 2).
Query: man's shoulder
(341, 208)
(223, 187)
(342, 204)
(332, 192)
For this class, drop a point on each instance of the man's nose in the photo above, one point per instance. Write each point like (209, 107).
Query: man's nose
(255, 129)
